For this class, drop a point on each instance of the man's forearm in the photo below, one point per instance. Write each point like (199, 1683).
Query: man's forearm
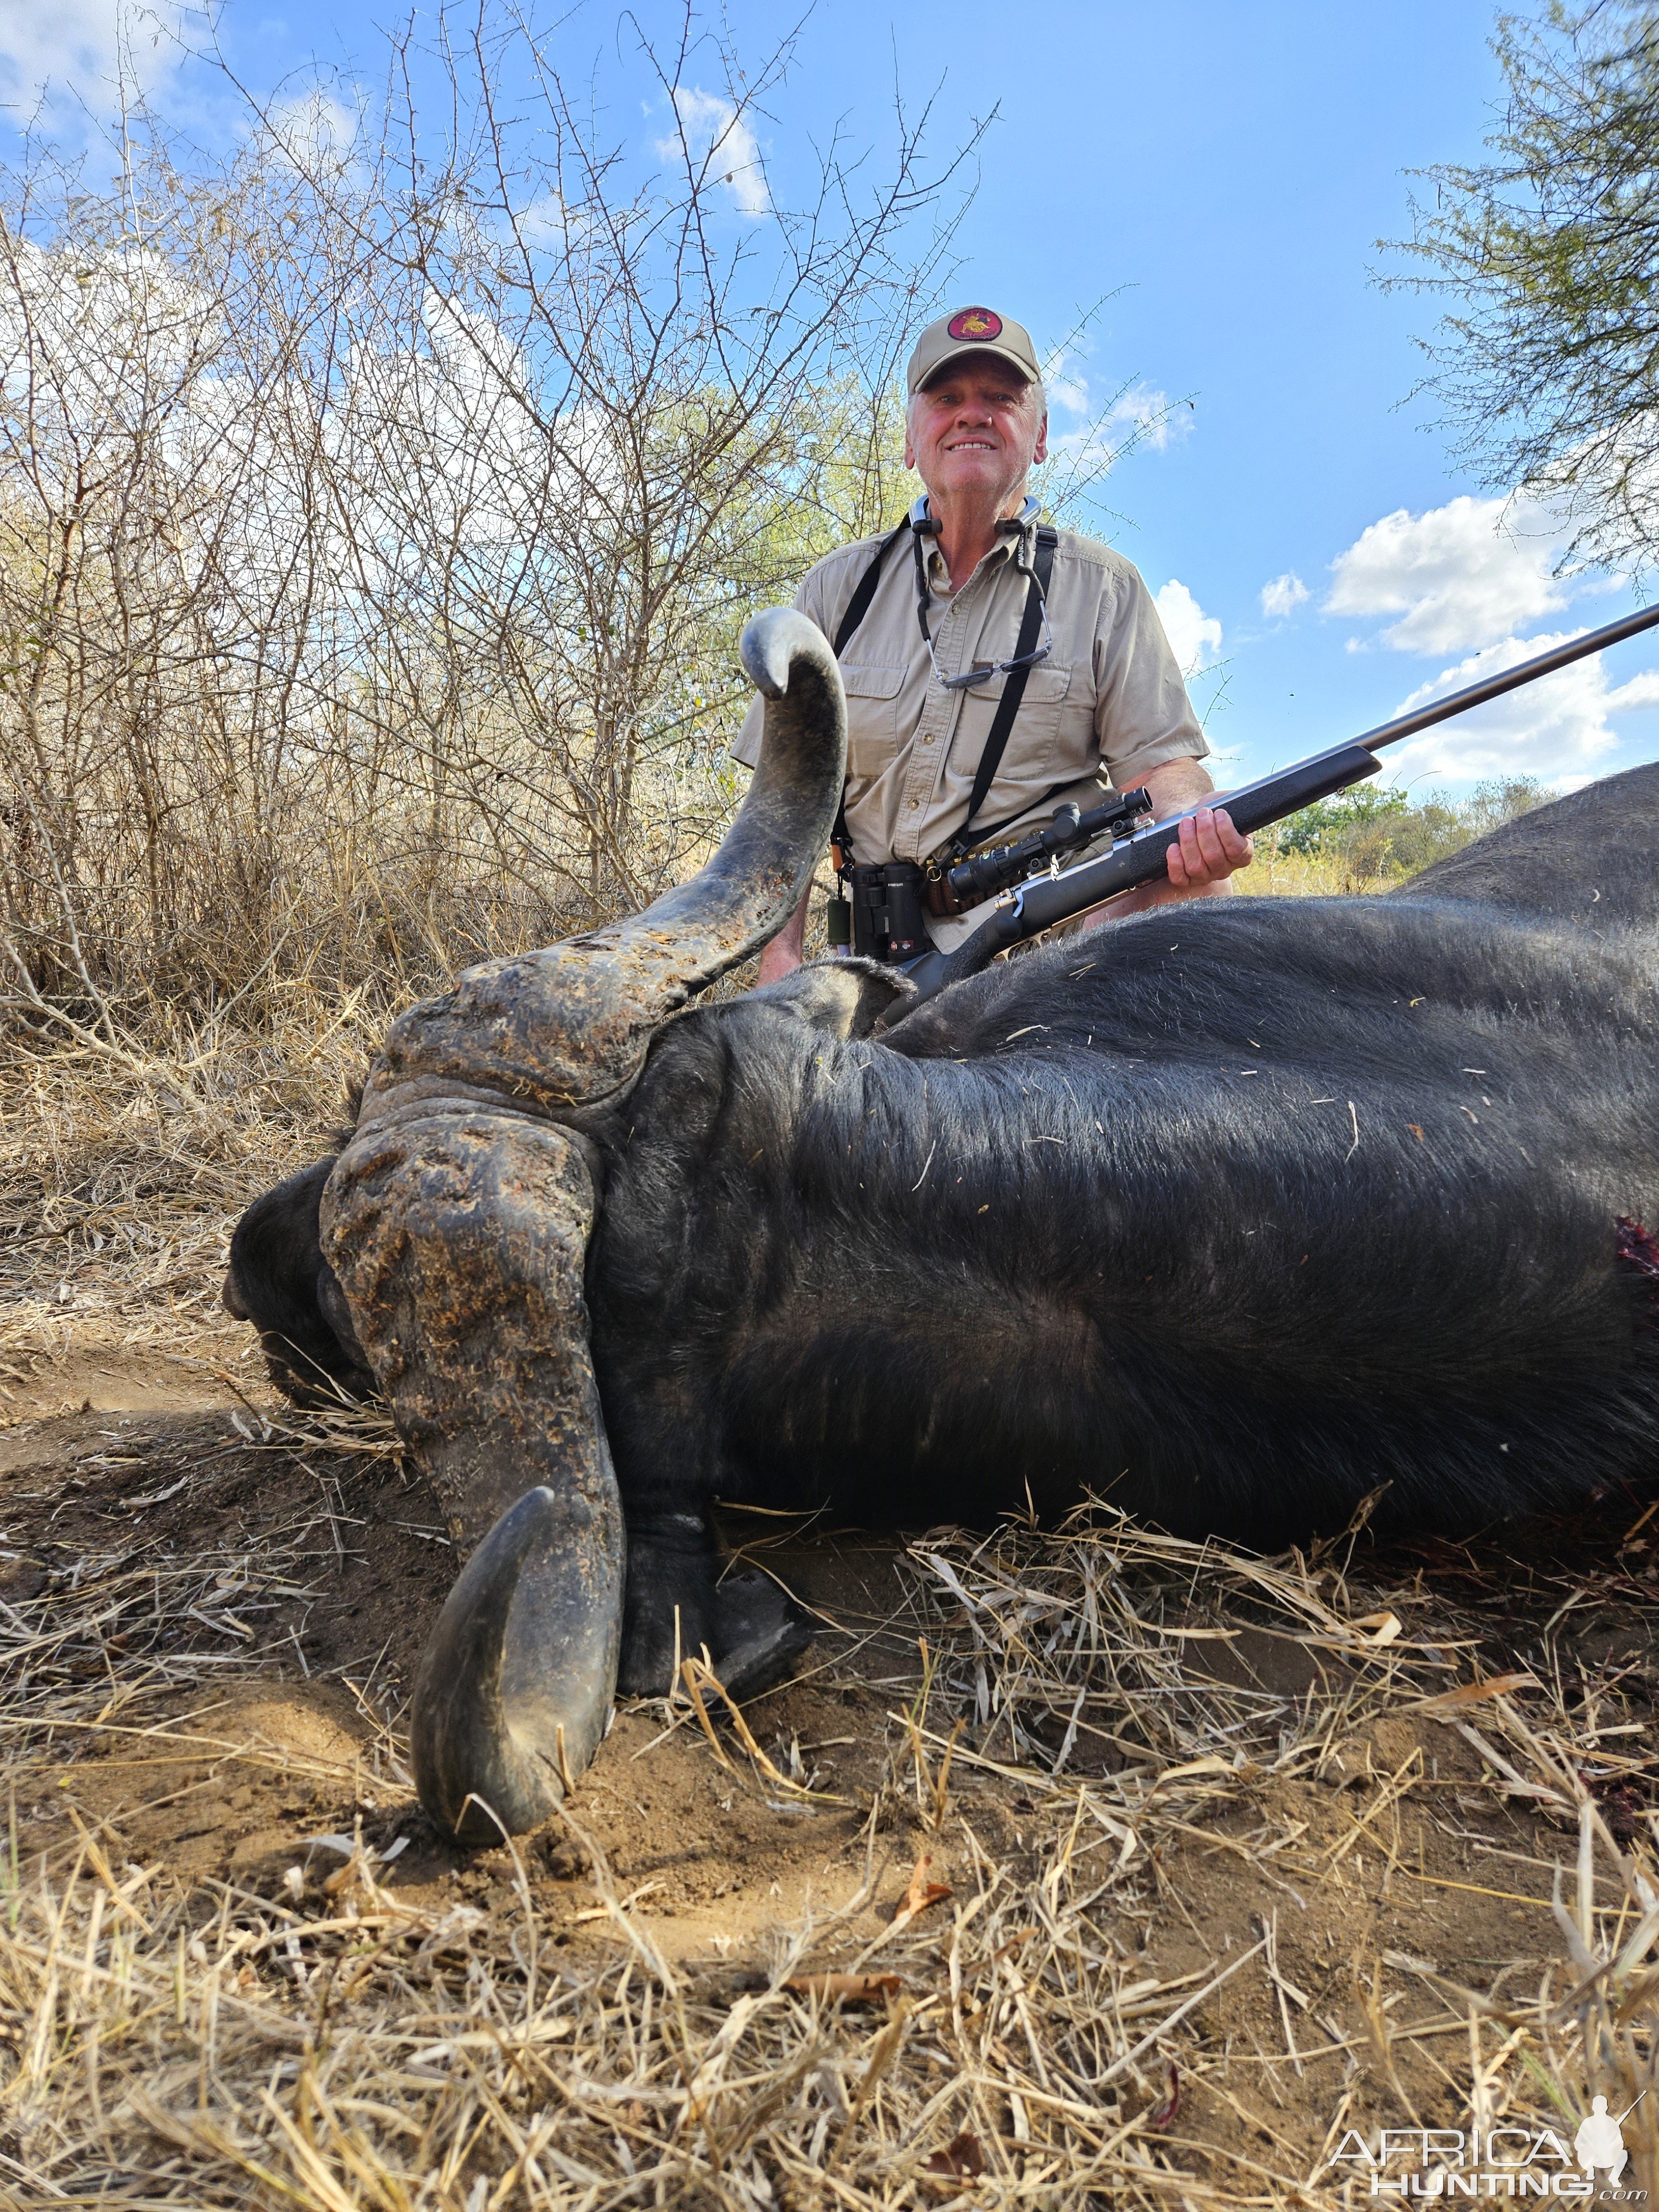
(1173, 785)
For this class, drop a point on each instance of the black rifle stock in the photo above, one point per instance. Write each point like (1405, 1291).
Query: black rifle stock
(1038, 905)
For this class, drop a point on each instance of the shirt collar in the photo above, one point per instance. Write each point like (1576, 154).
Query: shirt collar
(939, 576)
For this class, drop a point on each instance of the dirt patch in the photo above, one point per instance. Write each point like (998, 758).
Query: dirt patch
(1210, 1857)
(45, 1385)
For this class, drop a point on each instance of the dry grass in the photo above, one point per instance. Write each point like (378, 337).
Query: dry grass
(124, 1164)
(1276, 874)
(336, 2044)
(184, 2042)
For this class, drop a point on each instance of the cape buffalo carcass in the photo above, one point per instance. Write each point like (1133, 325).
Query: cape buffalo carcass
(1232, 1214)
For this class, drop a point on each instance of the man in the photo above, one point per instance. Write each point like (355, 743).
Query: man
(975, 604)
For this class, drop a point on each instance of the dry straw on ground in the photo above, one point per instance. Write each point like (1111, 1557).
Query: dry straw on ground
(335, 2045)
(291, 725)
(170, 2039)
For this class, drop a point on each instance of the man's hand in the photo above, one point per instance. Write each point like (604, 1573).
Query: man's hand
(1203, 862)
(1209, 851)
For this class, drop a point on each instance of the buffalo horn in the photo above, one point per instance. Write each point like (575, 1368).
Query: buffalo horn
(565, 1028)
(459, 1238)
(456, 1221)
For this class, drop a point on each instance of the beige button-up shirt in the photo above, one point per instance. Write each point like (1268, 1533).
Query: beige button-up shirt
(1108, 703)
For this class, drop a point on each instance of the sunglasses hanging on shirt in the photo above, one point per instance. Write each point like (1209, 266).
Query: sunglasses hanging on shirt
(922, 524)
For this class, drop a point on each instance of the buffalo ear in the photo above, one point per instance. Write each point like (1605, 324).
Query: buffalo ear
(278, 1280)
(844, 998)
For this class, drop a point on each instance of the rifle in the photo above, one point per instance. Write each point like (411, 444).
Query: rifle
(984, 874)
(1141, 855)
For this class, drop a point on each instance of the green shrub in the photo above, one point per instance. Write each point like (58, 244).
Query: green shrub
(1374, 831)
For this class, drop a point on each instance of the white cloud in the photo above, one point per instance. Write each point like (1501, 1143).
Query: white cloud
(1282, 596)
(312, 133)
(84, 47)
(1557, 728)
(1460, 576)
(1148, 417)
(1194, 637)
(720, 146)
(1065, 389)
(550, 224)
(105, 335)
(1104, 425)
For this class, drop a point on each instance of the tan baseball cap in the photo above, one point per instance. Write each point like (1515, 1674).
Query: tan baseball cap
(972, 330)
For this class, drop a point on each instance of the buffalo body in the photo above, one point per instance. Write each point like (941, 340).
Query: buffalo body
(1232, 1214)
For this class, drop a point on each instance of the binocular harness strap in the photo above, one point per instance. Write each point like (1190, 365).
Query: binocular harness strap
(857, 607)
(1013, 685)
(1013, 689)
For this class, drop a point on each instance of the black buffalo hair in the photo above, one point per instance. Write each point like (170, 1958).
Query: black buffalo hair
(1233, 1214)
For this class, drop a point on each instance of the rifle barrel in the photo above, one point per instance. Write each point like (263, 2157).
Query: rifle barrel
(1510, 679)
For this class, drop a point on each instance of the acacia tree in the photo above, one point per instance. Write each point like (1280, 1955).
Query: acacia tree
(381, 498)
(380, 503)
(1548, 363)
(591, 424)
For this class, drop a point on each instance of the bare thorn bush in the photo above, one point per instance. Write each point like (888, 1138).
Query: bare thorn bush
(380, 505)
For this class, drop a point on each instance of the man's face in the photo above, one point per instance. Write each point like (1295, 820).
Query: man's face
(975, 429)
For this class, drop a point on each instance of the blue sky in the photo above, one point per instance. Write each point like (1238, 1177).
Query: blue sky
(1224, 171)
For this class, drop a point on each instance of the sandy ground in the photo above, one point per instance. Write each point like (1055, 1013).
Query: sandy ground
(1329, 1918)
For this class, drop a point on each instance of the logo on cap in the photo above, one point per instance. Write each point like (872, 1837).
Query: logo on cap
(976, 323)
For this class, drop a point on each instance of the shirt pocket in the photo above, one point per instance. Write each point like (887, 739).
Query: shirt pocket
(872, 717)
(1028, 761)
